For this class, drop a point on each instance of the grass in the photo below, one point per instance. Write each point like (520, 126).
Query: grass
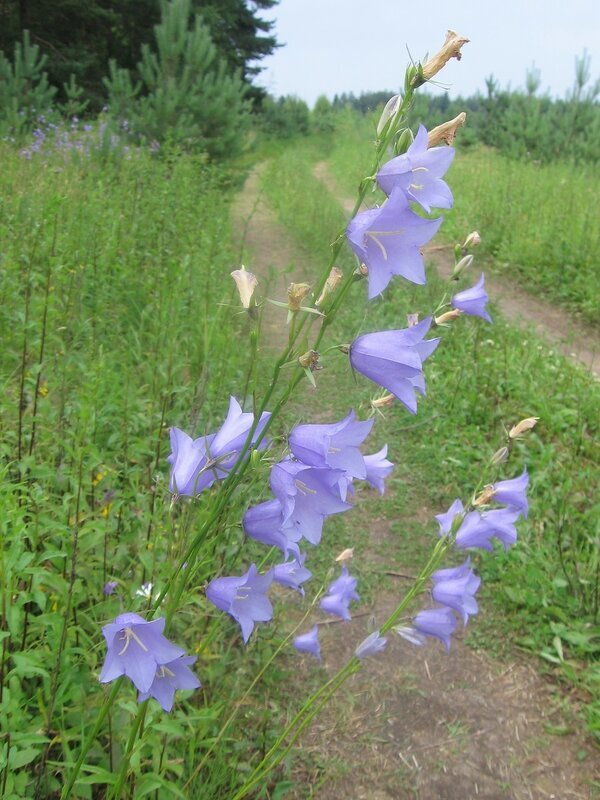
(480, 381)
(539, 223)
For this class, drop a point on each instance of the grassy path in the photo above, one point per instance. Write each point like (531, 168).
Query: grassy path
(550, 321)
(416, 723)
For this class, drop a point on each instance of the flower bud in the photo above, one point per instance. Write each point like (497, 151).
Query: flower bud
(331, 284)
(446, 131)
(462, 265)
(389, 112)
(472, 240)
(310, 360)
(448, 316)
(383, 402)
(345, 555)
(522, 427)
(484, 497)
(499, 456)
(450, 49)
(405, 140)
(296, 293)
(246, 283)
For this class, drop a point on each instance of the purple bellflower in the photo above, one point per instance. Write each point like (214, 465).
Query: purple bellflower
(264, 523)
(513, 492)
(169, 677)
(136, 648)
(501, 522)
(438, 622)
(339, 595)
(378, 468)
(388, 239)
(455, 588)
(307, 495)
(109, 587)
(473, 301)
(309, 643)
(197, 463)
(334, 445)
(446, 520)
(373, 644)
(244, 598)
(474, 532)
(394, 360)
(292, 573)
(418, 172)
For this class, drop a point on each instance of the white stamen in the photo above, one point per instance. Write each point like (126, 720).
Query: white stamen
(129, 634)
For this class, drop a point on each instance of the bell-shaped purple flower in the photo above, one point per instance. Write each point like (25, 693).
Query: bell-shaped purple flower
(373, 644)
(474, 532)
(394, 360)
(109, 587)
(446, 520)
(455, 588)
(418, 173)
(292, 573)
(307, 495)
(437, 622)
(513, 492)
(473, 301)
(197, 463)
(378, 468)
(265, 523)
(388, 241)
(339, 595)
(136, 647)
(501, 523)
(169, 677)
(309, 643)
(244, 598)
(334, 445)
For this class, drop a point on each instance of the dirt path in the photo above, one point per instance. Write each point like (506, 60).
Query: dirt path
(551, 322)
(416, 723)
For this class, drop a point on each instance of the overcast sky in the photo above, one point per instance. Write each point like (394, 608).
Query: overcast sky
(334, 46)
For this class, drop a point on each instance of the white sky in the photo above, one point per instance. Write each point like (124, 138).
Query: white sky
(332, 46)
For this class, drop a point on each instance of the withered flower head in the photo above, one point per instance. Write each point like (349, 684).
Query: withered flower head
(472, 240)
(522, 427)
(296, 294)
(333, 279)
(309, 360)
(446, 131)
(345, 555)
(450, 49)
(246, 283)
(448, 316)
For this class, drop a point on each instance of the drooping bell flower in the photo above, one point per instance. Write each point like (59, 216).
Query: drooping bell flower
(340, 594)
(378, 468)
(309, 643)
(437, 622)
(244, 598)
(473, 301)
(334, 445)
(168, 678)
(455, 588)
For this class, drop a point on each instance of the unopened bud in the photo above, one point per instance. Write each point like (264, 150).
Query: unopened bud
(383, 402)
(405, 140)
(345, 555)
(450, 49)
(389, 112)
(462, 265)
(310, 360)
(412, 320)
(447, 131)
(522, 427)
(472, 240)
(246, 283)
(484, 497)
(331, 284)
(296, 293)
(448, 316)
(499, 456)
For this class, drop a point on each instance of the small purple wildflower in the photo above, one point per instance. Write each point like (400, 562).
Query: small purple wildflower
(309, 643)
(437, 622)
(455, 588)
(136, 648)
(292, 573)
(473, 301)
(513, 492)
(474, 532)
(501, 523)
(244, 598)
(446, 520)
(340, 594)
(109, 587)
(334, 445)
(394, 360)
(169, 677)
(265, 524)
(418, 173)
(373, 644)
(388, 241)
(378, 468)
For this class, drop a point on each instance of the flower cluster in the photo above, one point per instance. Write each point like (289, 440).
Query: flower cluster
(454, 588)
(310, 484)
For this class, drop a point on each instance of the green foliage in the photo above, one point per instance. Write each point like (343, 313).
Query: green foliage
(186, 97)
(285, 117)
(323, 118)
(24, 90)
